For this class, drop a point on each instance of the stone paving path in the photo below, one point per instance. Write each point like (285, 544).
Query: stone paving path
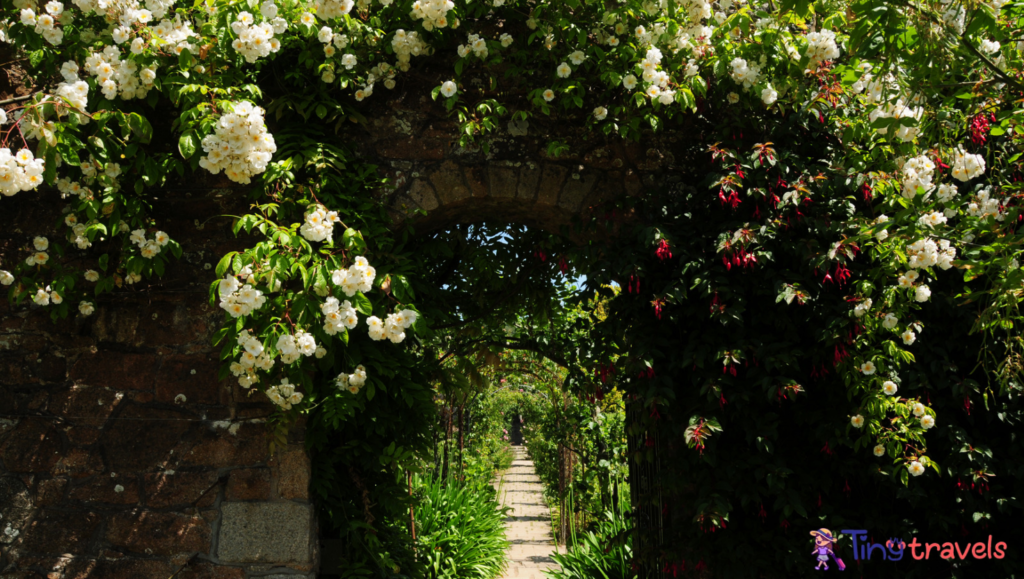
(528, 526)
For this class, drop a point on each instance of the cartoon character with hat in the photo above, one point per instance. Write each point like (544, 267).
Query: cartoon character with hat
(823, 543)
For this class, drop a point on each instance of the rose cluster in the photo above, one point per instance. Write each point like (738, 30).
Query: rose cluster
(917, 173)
(393, 327)
(19, 172)
(149, 247)
(967, 166)
(984, 205)
(352, 382)
(254, 357)
(744, 73)
(926, 253)
(358, 277)
(319, 225)
(821, 46)
(406, 45)
(240, 145)
(327, 9)
(284, 395)
(237, 299)
(45, 24)
(294, 346)
(338, 316)
(254, 41)
(434, 13)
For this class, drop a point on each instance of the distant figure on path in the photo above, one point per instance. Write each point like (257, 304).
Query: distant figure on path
(516, 431)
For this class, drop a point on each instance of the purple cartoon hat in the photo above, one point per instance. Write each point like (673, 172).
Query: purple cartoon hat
(827, 534)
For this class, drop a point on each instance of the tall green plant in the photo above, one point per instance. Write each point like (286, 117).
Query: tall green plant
(460, 532)
(604, 553)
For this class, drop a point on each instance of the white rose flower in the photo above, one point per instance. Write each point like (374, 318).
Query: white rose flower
(857, 421)
(922, 293)
(890, 321)
(448, 89)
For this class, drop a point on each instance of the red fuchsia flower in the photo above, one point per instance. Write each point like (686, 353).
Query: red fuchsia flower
(732, 200)
(647, 373)
(562, 265)
(939, 164)
(840, 355)
(842, 274)
(722, 401)
(825, 449)
(633, 279)
(979, 128)
(846, 486)
(540, 255)
(762, 513)
(658, 304)
(739, 172)
(784, 524)
(865, 190)
(664, 250)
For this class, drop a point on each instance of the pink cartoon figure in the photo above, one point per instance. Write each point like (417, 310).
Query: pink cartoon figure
(823, 543)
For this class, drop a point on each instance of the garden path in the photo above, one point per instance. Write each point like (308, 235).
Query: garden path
(528, 526)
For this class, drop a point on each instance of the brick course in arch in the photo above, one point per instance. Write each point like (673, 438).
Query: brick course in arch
(514, 179)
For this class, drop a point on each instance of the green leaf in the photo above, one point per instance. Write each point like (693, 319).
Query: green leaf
(353, 240)
(224, 263)
(187, 144)
(362, 304)
(140, 127)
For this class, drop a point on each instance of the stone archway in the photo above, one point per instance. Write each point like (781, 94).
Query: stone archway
(506, 176)
(168, 471)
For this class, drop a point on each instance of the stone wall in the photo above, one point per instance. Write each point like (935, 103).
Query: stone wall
(121, 454)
